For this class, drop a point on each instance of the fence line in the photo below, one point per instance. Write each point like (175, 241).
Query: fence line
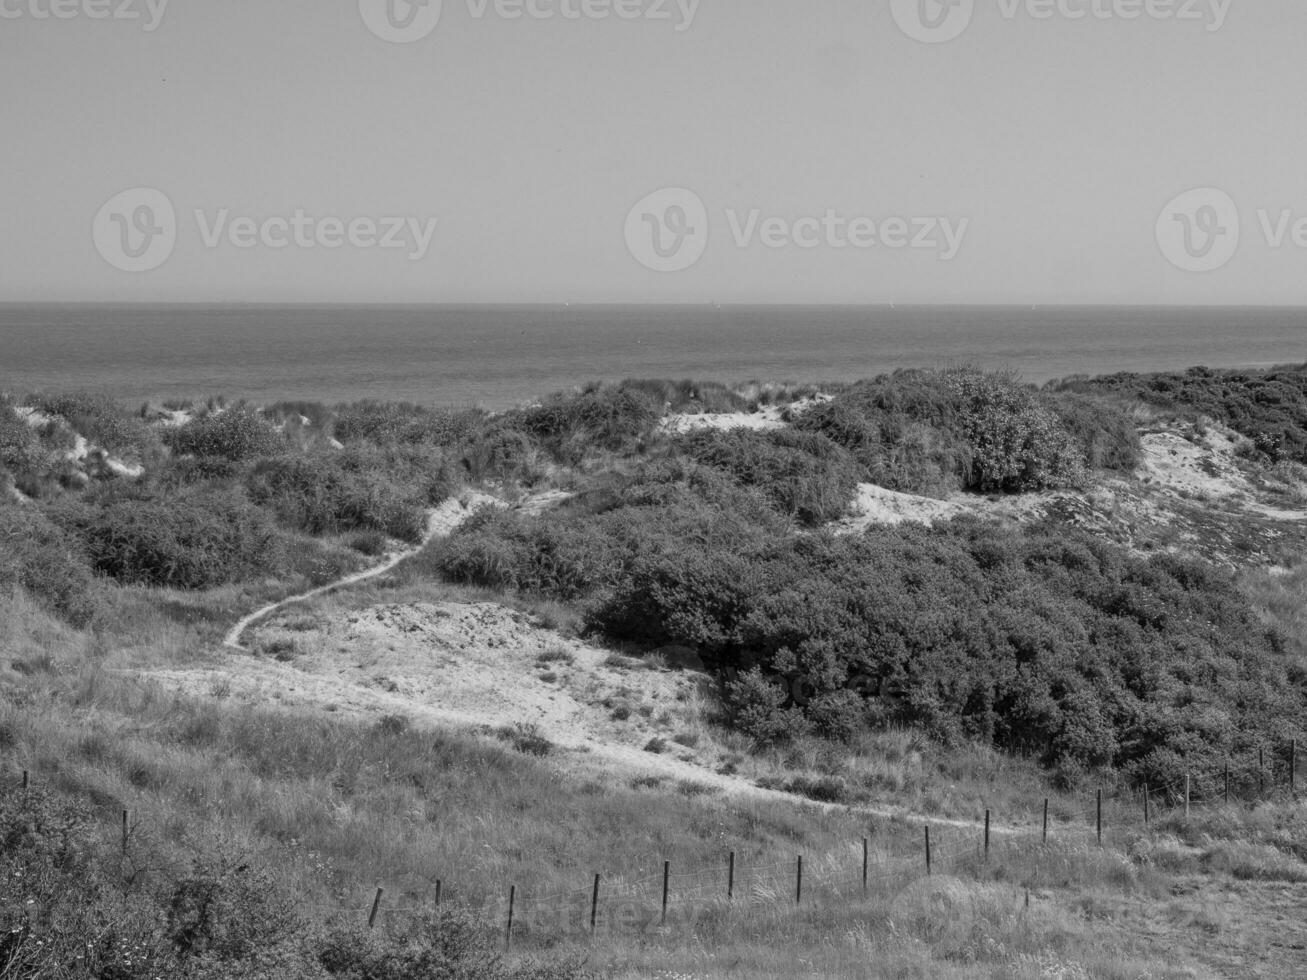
(804, 884)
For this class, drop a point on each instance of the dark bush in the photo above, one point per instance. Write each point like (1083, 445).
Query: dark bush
(190, 538)
(235, 434)
(49, 563)
(317, 494)
(805, 474)
(102, 421)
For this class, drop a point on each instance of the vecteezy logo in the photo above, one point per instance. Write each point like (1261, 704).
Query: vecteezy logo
(1199, 230)
(933, 21)
(668, 230)
(136, 231)
(400, 21)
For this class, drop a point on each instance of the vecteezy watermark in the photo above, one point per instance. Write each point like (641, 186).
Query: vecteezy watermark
(401, 21)
(148, 12)
(137, 231)
(668, 231)
(407, 21)
(939, 21)
(1201, 230)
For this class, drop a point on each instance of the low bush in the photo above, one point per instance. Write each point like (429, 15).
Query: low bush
(234, 434)
(806, 475)
(318, 494)
(190, 538)
(934, 432)
(50, 564)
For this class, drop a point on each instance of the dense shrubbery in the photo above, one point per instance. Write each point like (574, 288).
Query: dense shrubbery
(68, 909)
(805, 474)
(934, 432)
(1268, 407)
(38, 556)
(318, 494)
(20, 448)
(188, 538)
(236, 435)
(1048, 642)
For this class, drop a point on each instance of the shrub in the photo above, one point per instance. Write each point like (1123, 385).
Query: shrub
(50, 564)
(21, 451)
(388, 423)
(759, 708)
(804, 474)
(315, 493)
(189, 539)
(235, 434)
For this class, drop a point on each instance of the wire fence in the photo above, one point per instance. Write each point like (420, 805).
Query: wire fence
(675, 895)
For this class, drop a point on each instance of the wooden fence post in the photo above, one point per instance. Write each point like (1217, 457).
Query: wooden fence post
(24, 782)
(1045, 820)
(508, 932)
(1261, 772)
(594, 906)
(864, 864)
(987, 835)
(1293, 766)
(437, 893)
(1100, 817)
(730, 877)
(1187, 779)
(376, 906)
(124, 833)
(1147, 815)
(928, 870)
(667, 873)
(798, 883)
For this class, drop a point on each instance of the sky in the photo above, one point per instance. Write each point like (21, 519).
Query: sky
(688, 151)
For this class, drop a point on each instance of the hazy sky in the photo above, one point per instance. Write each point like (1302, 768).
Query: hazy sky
(1032, 158)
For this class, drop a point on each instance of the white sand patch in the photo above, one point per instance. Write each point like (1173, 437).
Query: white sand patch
(877, 506)
(1196, 467)
(770, 417)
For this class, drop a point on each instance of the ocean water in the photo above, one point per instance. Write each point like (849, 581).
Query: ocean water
(500, 356)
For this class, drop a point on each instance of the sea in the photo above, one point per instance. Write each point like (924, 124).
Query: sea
(499, 356)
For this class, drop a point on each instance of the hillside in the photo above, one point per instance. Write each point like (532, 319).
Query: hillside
(657, 621)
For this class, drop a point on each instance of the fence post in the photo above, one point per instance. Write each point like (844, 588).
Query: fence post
(1261, 772)
(730, 877)
(928, 871)
(1293, 766)
(508, 932)
(986, 835)
(594, 906)
(1100, 816)
(24, 782)
(1227, 780)
(1147, 815)
(1187, 779)
(124, 833)
(437, 893)
(376, 906)
(667, 873)
(864, 864)
(1045, 820)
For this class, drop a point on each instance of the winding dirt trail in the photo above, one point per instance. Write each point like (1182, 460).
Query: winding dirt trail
(441, 521)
